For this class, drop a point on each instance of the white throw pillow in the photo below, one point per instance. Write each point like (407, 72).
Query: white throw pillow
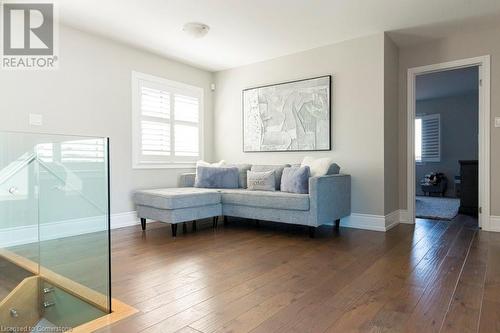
(319, 167)
(214, 165)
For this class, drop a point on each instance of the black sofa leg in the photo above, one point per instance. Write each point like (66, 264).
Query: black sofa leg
(257, 223)
(174, 230)
(312, 232)
(225, 220)
(215, 220)
(184, 228)
(194, 225)
(143, 224)
(337, 224)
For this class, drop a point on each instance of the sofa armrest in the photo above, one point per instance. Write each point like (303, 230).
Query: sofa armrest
(330, 198)
(187, 179)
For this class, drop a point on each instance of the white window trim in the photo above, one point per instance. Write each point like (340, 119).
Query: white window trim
(136, 116)
(484, 64)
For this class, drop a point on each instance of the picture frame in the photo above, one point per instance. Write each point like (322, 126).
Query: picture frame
(288, 116)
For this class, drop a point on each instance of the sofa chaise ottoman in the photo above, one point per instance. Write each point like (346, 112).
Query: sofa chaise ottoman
(177, 205)
(328, 200)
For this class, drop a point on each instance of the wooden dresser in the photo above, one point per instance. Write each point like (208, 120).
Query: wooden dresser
(469, 187)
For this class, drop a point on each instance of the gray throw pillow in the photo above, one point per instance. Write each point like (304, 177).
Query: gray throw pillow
(334, 169)
(263, 181)
(216, 177)
(295, 180)
(278, 169)
(242, 169)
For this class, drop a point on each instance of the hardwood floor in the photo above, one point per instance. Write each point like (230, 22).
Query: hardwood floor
(10, 276)
(431, 277)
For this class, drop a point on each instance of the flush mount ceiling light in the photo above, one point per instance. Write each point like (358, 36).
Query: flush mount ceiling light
(196, 30)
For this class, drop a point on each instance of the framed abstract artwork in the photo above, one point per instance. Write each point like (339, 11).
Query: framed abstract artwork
(289, 116)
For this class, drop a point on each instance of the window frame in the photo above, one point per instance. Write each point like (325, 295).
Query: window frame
(172, 161)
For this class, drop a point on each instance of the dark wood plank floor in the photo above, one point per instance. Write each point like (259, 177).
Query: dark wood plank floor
(431, 277)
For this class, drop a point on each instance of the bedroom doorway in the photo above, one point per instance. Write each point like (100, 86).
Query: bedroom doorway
(448, 140)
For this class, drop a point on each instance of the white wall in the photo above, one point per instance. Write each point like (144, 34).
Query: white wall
(90, 95)
(391, 130)
(357, 67)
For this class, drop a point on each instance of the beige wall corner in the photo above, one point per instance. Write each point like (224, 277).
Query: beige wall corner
(391, 126)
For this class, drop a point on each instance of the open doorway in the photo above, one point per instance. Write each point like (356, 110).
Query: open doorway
(448, 140)
(446, 143)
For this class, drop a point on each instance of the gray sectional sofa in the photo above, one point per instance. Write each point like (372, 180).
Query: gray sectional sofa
(328, 200)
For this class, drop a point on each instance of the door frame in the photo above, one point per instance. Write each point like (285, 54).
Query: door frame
(483, 64)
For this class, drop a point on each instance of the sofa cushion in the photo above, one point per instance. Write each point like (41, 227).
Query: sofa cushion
(216, 177)
(265, 199)
(278, 171)
(174, 198)
(242, 169)
(295, 180)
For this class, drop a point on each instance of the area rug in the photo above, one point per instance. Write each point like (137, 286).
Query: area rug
(436, 208)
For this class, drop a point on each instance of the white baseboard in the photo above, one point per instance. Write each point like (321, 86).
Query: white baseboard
(67, 228)
(18, 235)
(373, 222)
(122, 220)
(404, 217)
(494, 224)
(392, 220)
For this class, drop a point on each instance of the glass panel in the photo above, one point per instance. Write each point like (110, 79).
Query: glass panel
(18, 211)
(73, 215)
(54, 228)
(64, 310)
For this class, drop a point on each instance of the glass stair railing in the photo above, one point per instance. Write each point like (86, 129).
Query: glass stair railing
(54, 231)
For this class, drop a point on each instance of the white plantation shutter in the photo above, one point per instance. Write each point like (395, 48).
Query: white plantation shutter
(155, 103)
(431, 138)
(186, 140)
(155, 138)
(186, 125)
(186, 108)
(166, 122)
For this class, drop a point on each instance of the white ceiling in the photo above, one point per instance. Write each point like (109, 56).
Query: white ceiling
(447, 83)
(248, 31)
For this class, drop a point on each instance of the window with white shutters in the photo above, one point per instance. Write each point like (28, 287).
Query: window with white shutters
(166, 122)
(428, 138)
